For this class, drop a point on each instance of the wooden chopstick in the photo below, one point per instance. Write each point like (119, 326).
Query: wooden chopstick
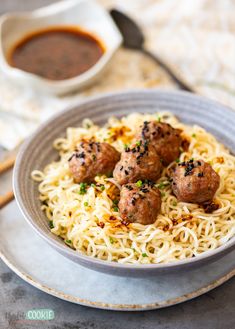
(5, 165)
(6, 198)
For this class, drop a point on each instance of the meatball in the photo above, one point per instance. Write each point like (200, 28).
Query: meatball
(166, 139)
(138, 162)
(140, 204)
(195, 181)
(91, 159)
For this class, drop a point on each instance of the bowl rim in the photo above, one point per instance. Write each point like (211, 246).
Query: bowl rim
(62, 247)
(52, 10)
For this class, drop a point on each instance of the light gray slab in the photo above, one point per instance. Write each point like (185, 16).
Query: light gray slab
(37, 263)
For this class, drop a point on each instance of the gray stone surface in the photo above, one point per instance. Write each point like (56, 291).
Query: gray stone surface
(214, 310)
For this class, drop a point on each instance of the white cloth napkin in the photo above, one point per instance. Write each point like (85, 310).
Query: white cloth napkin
(197, 38)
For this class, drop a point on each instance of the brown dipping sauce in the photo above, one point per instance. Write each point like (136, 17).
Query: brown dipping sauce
(57, 53)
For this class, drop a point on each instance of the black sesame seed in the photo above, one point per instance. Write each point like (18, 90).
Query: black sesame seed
(187, 173)
(144, 190)
(182, 164)
(71, 157)
(133, 201)
(129, 187)
(80, 155)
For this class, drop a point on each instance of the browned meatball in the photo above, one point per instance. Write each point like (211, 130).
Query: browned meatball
(139, 204)
(138, 162)
(92, 159)
(195, 181)
(166, 139)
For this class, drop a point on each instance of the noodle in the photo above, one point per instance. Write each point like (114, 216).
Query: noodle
(91, 224)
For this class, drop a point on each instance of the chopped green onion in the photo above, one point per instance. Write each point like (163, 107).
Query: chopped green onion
(126, 146)
(111, 240)
(51, 225)
(115, 202)
(177, 160)
(161, 185)
(159, 119)
(163, 194)
(93, 185)
(102, 187)
(138, 143)
(115, 209)
(68, 241)
(139, 183)
(86, 204)
(83, 187)
(144, 254)
(193, 135)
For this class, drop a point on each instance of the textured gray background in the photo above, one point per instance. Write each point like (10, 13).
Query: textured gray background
(214, 310)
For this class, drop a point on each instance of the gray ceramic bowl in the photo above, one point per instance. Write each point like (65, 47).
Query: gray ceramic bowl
(37, 151)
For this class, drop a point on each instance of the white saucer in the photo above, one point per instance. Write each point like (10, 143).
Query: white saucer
(38, 264)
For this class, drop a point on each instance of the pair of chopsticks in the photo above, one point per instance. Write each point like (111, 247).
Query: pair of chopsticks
(5, 165)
